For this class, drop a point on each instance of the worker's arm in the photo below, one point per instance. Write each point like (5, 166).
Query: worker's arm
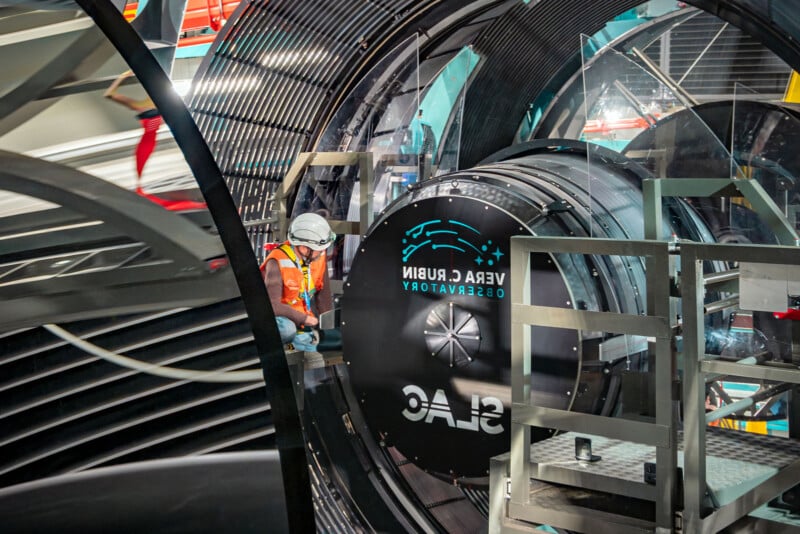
(325, 296)
(130, 103)
(272, 277)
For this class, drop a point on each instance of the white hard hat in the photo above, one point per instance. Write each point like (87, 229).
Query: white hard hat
(312, 231)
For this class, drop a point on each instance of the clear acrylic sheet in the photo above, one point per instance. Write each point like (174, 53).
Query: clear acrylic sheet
(411, 124)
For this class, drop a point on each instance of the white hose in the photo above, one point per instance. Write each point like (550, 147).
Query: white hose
(153, 368)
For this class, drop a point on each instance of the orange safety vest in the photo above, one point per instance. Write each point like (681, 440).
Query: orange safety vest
(300, 282)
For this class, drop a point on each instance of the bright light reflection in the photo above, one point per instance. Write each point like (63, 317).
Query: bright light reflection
(230, 85)
(285, 59)
(182, 87)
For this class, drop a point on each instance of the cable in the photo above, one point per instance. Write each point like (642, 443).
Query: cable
(152, 368)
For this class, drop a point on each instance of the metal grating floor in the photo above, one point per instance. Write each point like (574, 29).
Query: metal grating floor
(735, 461)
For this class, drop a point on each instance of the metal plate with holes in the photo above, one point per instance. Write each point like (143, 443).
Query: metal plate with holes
(736, 461)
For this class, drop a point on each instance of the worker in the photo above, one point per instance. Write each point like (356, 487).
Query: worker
(148, 116)
(296, 276)
(150, 119)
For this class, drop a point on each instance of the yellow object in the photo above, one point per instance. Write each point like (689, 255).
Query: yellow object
(792, 94)
(756, 427)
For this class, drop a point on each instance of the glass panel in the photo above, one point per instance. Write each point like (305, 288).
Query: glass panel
(764, 134)
(372, 118)
(635, 109)
(675, 138)
(741, 128)
(408, 114)
(447, 97)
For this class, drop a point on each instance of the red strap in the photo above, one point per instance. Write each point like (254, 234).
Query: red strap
(148, 141)
(172, 205)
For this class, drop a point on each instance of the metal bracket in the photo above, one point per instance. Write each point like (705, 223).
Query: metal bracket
(305, 160)
(655, 189)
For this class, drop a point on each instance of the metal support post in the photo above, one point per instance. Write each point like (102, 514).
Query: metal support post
(651, 207)
(366, 212)
(666, 455)
(694, 424)
(520, 373)
(498, 482)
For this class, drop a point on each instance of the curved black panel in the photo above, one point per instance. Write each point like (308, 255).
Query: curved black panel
(237, 247)
(251, 89)
(763, 135)
(234, 492)
(524, 49)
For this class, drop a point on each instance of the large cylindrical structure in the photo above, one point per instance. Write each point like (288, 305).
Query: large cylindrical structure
(426, 325)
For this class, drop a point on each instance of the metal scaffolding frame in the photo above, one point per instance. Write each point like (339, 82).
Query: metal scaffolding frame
(516, 477)
(524, 415)
(305, 160)
(698, 365)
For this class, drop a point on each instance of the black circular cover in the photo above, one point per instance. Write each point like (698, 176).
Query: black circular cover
(426, 330)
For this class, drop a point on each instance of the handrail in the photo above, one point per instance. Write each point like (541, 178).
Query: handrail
(656, 325)
(697, 369)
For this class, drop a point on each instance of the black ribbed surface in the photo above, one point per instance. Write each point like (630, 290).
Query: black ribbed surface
(64, 410)
(269, 86)
(527, 46)
(292, 64)
(294, 56)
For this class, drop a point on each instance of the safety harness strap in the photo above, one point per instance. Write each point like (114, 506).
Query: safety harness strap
(307, 289)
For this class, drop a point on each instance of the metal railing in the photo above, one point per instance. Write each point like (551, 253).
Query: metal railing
(524, 415)
(700, 511)
(698, 367)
